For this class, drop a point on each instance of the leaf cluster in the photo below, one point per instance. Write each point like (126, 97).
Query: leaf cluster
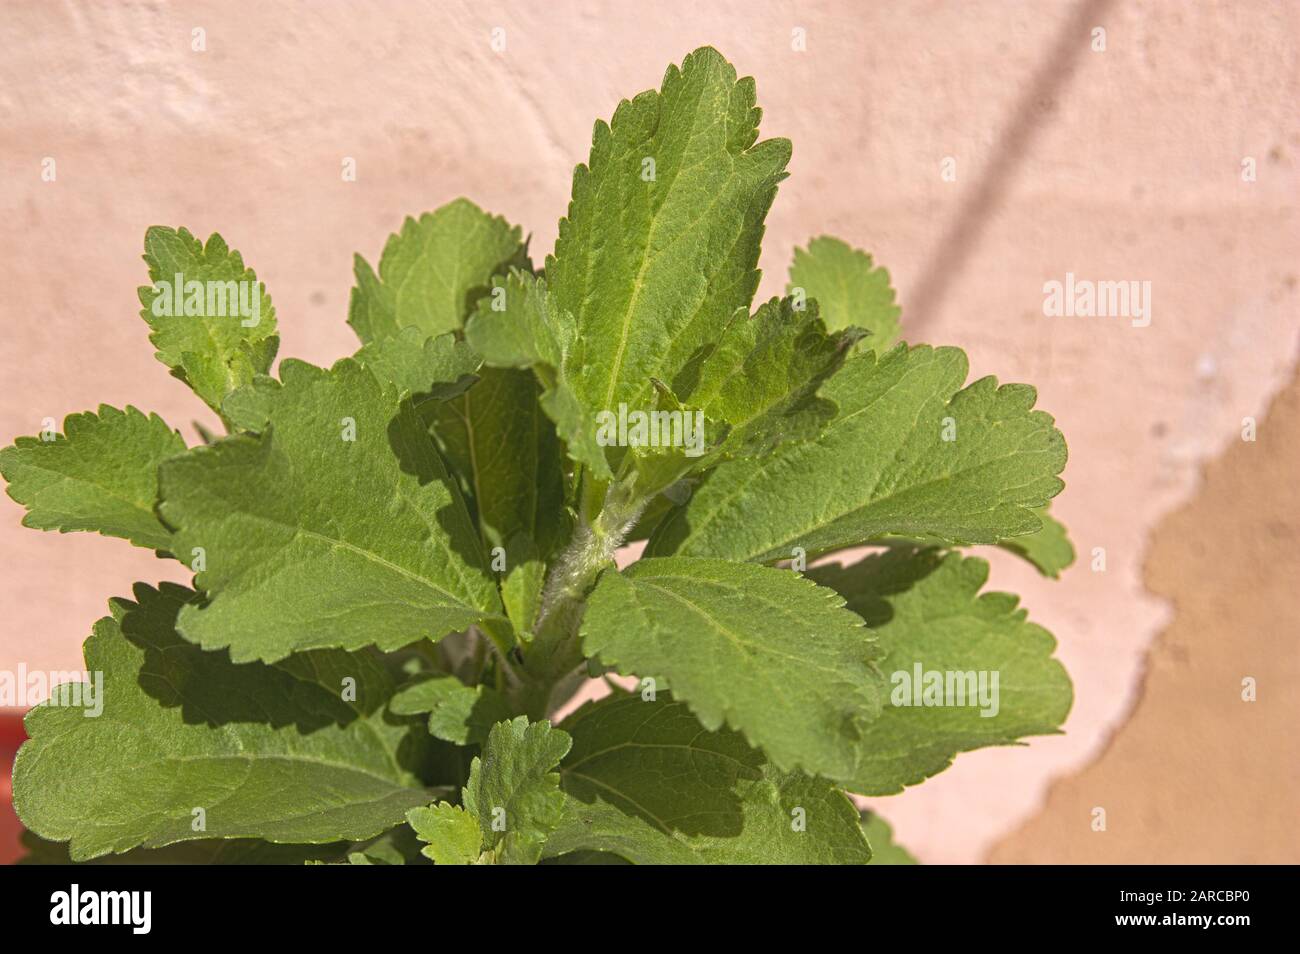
(403, 563)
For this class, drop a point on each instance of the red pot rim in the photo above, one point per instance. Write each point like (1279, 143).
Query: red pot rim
(11, 729)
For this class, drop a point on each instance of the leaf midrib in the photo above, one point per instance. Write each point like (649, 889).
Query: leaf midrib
(836, 425)
(647, 255)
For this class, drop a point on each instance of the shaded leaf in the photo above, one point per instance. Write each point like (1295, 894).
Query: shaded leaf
(233, 851)
(530, 332)
(648, 783)
(498, 440)
(457, 712)
(928, 614)
(1048, 549)
(265, 752)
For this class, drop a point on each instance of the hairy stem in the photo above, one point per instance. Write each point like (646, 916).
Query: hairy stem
(555, 652)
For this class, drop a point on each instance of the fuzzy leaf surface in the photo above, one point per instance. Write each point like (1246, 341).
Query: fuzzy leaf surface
(432, 272)
(515, 781)
(651, 263)
(759, 649)
(762, 378)
(884, 466)
(314, 540)
(416, 364)
(457, 712)
(100, 474)
(850, 291)
(214, 351)
(452, 834)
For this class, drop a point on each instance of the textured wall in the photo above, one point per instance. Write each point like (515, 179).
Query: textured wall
(1198, 775)
(1122, 164)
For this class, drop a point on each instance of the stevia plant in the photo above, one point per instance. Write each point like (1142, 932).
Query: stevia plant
(403, 565)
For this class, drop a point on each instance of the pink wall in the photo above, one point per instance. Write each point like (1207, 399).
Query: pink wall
(1122, 164)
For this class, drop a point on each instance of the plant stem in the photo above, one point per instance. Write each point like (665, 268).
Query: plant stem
(555, 651)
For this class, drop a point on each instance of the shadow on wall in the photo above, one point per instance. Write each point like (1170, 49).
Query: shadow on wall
(1037, 104)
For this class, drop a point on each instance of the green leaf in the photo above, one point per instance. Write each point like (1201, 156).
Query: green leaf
(233, 851)
(499, 441)
(884, 850)
(653, 759)
(101, 474)
(1048, 549)
(399, 846)
(457, 712)
(583, 857)
(452, 833)
(650, 518)
(849, 290)
(884, 465)
(267, 752)
(337, 527)
(517, 326)
(520, 327)
(203, 332)
(647, 782)
(512, 801)
(761, 650)
(763, 377)
(433, 271)
(248, 407)
(514, 791)
(502, 449)
(415, 364)
(676, 440)
(521, 590)
(927, 611)
(653, 263)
